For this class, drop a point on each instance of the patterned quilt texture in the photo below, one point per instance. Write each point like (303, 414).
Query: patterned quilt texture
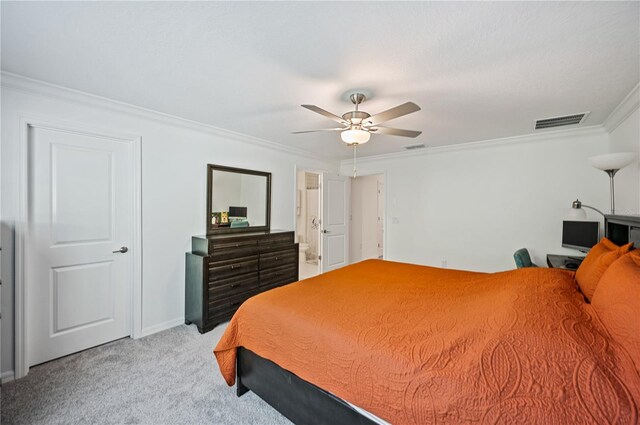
(422, 345)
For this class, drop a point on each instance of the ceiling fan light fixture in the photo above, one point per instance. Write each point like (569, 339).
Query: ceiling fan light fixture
(355, 136)
(358, 125)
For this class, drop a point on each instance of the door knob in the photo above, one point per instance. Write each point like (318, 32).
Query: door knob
(326, 231)
(122, 250)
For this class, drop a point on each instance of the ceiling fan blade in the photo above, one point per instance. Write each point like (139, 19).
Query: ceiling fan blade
(389, 114)
(327, 114)
(396, 132)
(320, 129)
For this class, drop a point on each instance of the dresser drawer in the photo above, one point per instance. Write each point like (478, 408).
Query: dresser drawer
(277, 284)
(233, 286)
(233, 248)
(275, 241)
(278, 276)
(222, 306)
(219, 316)
(278, 258)
(223, 269)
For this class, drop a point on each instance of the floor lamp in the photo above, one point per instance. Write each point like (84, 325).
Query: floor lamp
(611, 163)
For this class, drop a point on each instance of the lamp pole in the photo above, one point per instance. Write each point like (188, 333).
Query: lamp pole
(611, 174)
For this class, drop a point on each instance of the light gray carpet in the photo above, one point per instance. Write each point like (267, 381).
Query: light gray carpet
(167, 378)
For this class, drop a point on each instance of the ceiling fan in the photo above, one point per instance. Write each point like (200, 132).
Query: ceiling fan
(358, 126)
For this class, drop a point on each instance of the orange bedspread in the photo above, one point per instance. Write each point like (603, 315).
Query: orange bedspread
(421, 345)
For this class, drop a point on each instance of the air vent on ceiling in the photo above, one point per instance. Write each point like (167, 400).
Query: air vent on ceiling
(561, 121)
(414, 147)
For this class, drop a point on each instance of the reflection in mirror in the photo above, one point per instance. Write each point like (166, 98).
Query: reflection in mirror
(238, 200)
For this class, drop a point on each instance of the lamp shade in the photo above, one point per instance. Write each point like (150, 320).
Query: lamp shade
(355, 137)
(613, 161)
(577, 214)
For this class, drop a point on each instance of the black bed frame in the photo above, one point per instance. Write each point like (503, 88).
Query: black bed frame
(298, 400)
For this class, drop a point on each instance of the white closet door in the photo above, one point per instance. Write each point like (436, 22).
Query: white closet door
(79, 290)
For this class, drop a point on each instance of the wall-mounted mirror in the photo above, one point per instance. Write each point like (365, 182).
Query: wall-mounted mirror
(238, 200)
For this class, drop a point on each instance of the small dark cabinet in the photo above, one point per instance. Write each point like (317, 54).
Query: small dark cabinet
(622, 229)
(225, 270)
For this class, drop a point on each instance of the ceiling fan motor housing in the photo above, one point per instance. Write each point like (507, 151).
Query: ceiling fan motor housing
(355, 117)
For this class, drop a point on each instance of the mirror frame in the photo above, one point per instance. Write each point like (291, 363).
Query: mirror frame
(217, 230)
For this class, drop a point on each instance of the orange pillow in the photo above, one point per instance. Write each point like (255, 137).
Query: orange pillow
(595, 264)
(617, 303)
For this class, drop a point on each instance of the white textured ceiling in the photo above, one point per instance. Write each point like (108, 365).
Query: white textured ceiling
(478, 70)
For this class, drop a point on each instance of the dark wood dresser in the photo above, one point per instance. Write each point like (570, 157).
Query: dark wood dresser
(225, 270)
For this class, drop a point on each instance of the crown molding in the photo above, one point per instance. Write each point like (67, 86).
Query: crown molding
(20, 83)
(621, 112)
(32, 86)
(525, 138)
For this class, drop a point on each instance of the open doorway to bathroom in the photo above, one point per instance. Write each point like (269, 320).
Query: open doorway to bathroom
(367, 217)
(308, 213)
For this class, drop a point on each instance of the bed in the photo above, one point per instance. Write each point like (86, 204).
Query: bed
(384, 341)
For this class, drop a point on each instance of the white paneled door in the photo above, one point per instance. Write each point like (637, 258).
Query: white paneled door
(335, 214)
(80, 231)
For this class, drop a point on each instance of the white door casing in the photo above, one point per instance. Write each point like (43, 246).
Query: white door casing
(82, 203)
(335, 221)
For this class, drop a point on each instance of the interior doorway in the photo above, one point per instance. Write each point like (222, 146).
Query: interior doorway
(367, 217)
(78, 259)
(308, 222)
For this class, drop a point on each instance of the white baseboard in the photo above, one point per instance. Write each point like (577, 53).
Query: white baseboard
(161, 326)
(7, 376)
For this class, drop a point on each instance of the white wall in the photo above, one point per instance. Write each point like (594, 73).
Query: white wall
(474, 205)
(174, 157)
(626, 138)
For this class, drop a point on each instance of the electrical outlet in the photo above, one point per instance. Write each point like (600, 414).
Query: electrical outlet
(443, 263)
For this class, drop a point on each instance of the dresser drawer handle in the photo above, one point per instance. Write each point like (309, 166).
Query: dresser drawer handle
(277, 258)
(237, 245)
(234, 285)
(235, 266)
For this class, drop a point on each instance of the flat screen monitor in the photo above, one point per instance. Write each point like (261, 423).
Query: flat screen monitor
(240, 212)
(581, 235)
